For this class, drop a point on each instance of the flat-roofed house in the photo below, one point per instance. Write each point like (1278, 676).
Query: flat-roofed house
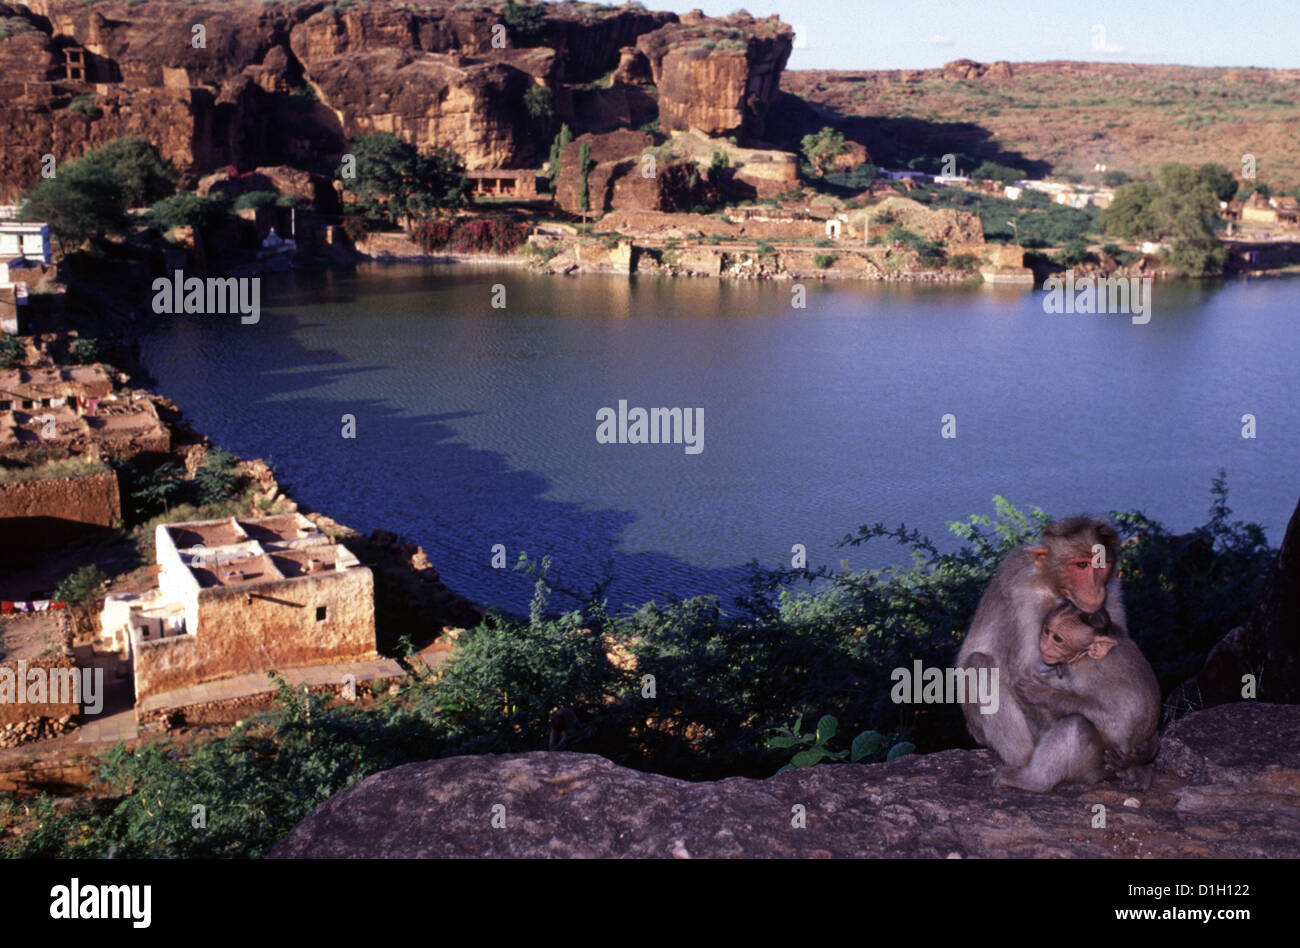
(241, 596)
(30, 241)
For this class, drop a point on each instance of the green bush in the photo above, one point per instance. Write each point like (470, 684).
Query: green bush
(80, 586)
(823, 260)
(217, 478)
(85, 105)
(85, 350)
(188, 210)
(11, 351)
(251, 200)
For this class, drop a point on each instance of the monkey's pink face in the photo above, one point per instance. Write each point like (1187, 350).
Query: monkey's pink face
(1085, 585)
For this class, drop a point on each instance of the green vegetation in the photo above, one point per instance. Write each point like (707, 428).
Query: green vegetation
(85, 350)
(1180, 208)
(11, 351)
(540, 105)
(562, 138)
(51, 470)
(813, 749)
(13, 25)
(992, 171)
(84, 200)
(218, 478)
(797, 643)
(87, 197)
(85, 105)
(251, 200)
(584, 168)
(525, 21)
(143, 173)
(189, 210)
(1039, 222)
(823, 260)
(396, 183)
(80, 586)
(821, 149)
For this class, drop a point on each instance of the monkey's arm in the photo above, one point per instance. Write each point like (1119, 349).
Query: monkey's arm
(1035, 692)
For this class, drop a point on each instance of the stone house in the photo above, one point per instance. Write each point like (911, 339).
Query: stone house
(242, 596)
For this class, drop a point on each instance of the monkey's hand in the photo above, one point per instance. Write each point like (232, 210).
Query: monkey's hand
(1033, 691)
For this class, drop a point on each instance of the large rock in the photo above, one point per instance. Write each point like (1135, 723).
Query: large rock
(718, 75)
(1227, 785)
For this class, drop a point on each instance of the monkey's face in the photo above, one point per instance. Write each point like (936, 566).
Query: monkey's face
(1064, 639)
(1082, 583)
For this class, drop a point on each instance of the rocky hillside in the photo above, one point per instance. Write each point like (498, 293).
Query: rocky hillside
(1058, 117)
(248, 83)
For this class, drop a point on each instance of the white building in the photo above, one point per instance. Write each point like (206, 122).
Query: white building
(30, 241)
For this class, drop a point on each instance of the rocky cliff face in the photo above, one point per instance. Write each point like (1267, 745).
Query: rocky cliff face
(717, 75)
(291, 83)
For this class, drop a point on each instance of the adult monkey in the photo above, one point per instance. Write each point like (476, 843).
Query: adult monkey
(1074, 561)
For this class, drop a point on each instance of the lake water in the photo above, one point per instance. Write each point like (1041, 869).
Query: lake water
(477, 426)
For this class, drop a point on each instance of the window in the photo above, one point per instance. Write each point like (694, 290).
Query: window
(320, 613)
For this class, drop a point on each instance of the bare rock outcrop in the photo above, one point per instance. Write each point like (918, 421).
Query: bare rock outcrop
(718, 75)
(1227, 785)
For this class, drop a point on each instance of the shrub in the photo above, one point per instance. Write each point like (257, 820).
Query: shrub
(85, 105)
(217, 478)
(252, 200)
(84, 350)
(188, 210)
(823, 260)
(79, 586)
(12, 351)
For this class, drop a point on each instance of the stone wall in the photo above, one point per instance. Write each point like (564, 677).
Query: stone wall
(12, 710)
(72, 503)
(248, 628)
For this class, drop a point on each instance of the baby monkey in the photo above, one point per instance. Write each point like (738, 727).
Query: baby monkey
(1094, 670)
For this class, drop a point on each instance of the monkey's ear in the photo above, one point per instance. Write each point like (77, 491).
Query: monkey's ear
(1100, 646)
(1039, 553)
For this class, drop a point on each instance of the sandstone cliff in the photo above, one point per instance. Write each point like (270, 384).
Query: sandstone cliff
(245, 83)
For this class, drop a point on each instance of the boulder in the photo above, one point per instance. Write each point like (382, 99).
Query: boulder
(1237, 767)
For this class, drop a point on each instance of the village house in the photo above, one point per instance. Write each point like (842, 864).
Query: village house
(31, 241)
(1260, 210)
(242, 596)
(73, 407)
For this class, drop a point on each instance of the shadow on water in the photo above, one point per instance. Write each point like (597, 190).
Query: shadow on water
(412, 475)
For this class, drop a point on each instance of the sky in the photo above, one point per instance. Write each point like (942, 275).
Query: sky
(923, 34)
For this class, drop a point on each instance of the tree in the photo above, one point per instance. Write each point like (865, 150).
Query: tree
(84, 200)
(1181, 208)
(1131, 214)
(188, 210)
(79, 586)
(12, 351)
(145, 176)
(1219, 180)
(992, 171)
(584, 168)
(820, 149)
(217, 478)
(1113, 179)
(395, 182)
(562, 138)
(526, 22)
(84, 350)
(539, 104)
